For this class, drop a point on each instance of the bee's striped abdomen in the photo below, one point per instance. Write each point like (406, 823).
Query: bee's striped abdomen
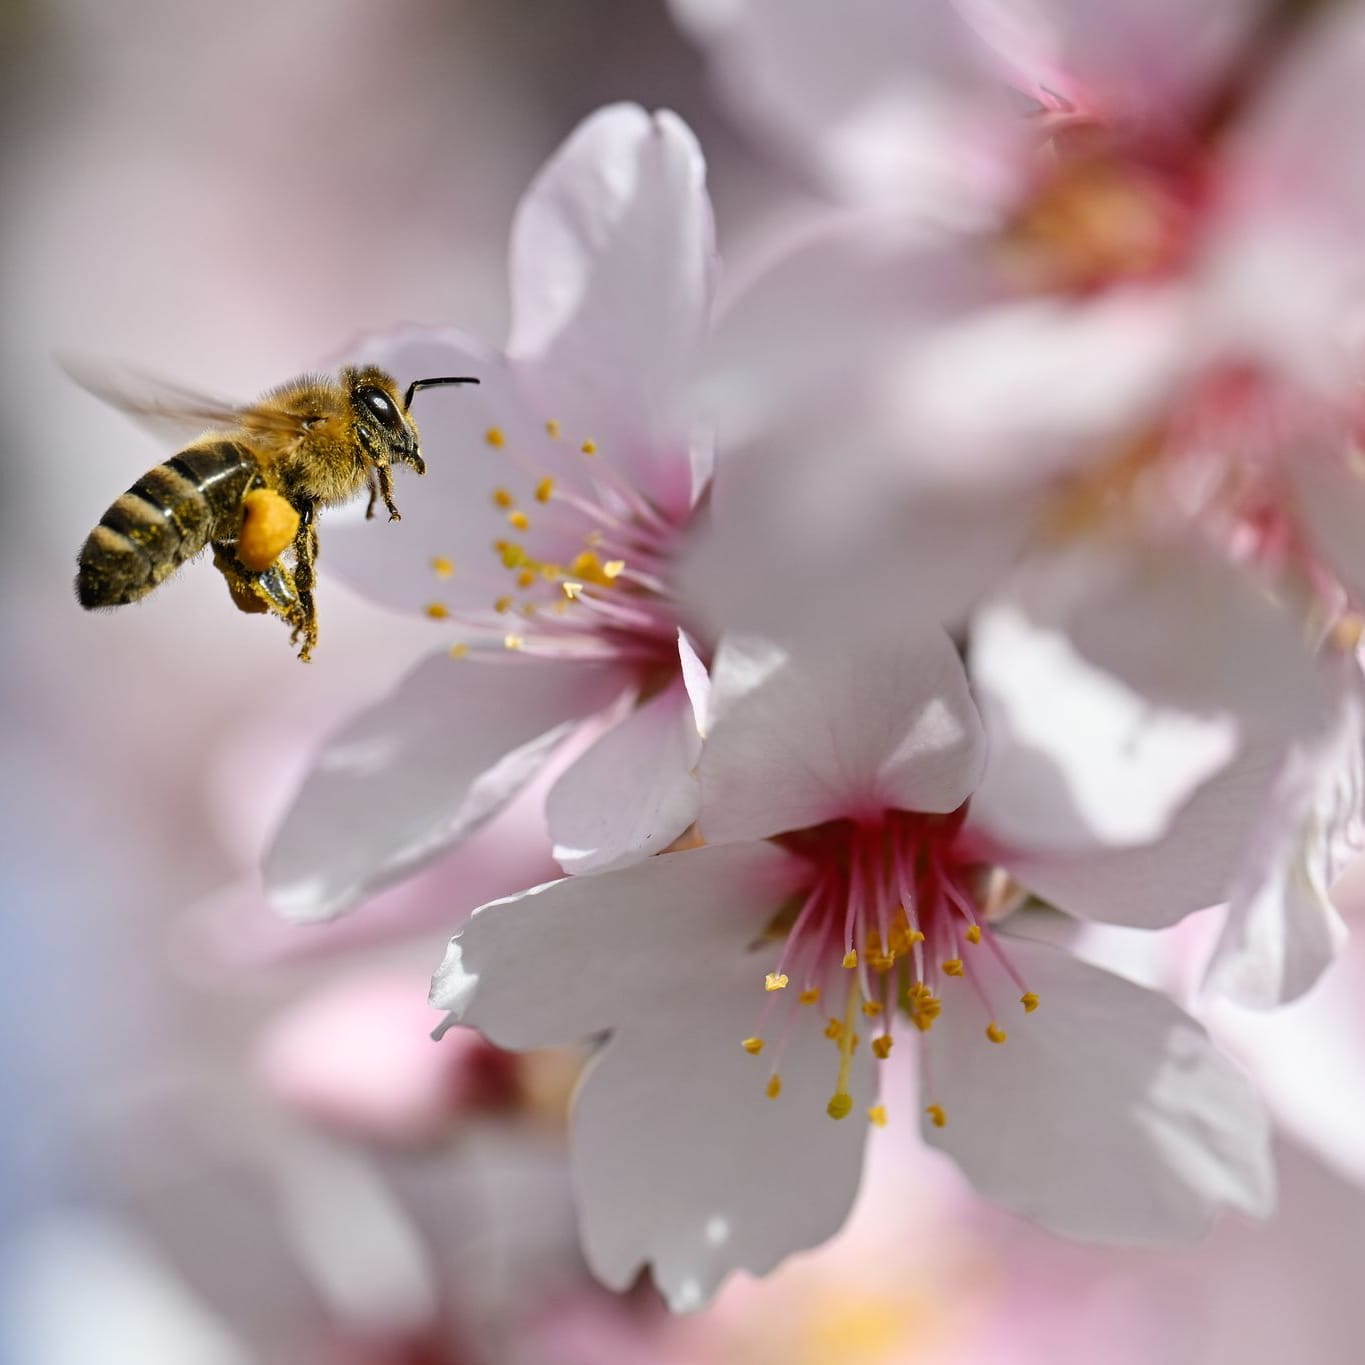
(165, 518)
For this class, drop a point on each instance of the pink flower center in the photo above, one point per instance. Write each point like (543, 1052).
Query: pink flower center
(1102, 212)
(887, 928)
(583, 569)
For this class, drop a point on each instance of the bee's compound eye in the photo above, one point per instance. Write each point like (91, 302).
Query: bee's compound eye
(379, 404)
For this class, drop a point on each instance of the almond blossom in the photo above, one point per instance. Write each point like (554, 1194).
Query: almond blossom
(542, 549)
(1138, 342)
(848, 902)
(1152, 309)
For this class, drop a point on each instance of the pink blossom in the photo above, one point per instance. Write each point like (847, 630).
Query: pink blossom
(542, 543)
(846, 902)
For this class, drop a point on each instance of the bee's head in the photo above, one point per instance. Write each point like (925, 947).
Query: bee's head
(383, 422)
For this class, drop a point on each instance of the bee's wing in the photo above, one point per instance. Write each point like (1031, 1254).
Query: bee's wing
(172, 411)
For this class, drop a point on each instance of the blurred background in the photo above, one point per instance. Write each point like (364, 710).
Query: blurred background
(226, 1140)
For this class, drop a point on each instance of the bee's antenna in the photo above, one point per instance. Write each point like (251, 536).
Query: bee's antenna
(430, 384)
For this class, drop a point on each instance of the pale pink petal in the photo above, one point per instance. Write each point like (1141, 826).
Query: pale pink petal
(1107, 1115)
(1078, 760)
(1191, 867)
(846, 538)
(1015, 392)
(1328, 489)
(611, 260)
(888, 101)
(854, 725)
(573, 957)
(681, 1161)
(443, 550)
(633, 793)
(358, 1057)
(1178, 624)
(1282, 930)
(1144, 60)
(404, 781)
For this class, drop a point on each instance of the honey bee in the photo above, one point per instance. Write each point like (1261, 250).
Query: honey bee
(251, 487)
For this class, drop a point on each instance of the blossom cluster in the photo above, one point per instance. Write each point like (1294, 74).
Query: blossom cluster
(985, 548)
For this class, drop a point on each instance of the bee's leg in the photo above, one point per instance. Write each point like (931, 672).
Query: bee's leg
(386, 489)
(272, 590)
(305, 559)
(374, 498)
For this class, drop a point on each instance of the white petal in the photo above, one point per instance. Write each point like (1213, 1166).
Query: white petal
(405, 780)
(683, 1163)
(1077, 758)
(1329, 491)
(1012, 393)
(1282, 930)
(1121, 59)
(890, 101)
(574, 957)
(633, 793)
(1108, 1114)
(1178, 625)
(450, 514)
(612, 259)
(1191, 867)
(836, 729)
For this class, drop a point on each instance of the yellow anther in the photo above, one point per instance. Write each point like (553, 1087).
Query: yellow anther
(589, 447)
(614, 568)
(936, 1115)
(552, 429)
(840, 1105)
(810, 997)
(774, 1086)
(851, 959)
(877, 1114)
(1029, 1001)
(441, 566)
(872, 1008)
(593, 539)
(438, 611)
(953, 967)
(916, 936)
(881, 1046)
(995, 1033)
(545, 489)
(573, 591)
(458, 650)
(512, 642)
(525, 577)
(520, 520)
(1347, 632)
(834, 1030)
(586, 565)
(528, 610)
(495, 438)
(501, 604)
(753, 1046)
(775, 981)
(503, 498)
(974, 934)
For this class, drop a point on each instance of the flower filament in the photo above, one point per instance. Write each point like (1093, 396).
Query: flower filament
(895, 910)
